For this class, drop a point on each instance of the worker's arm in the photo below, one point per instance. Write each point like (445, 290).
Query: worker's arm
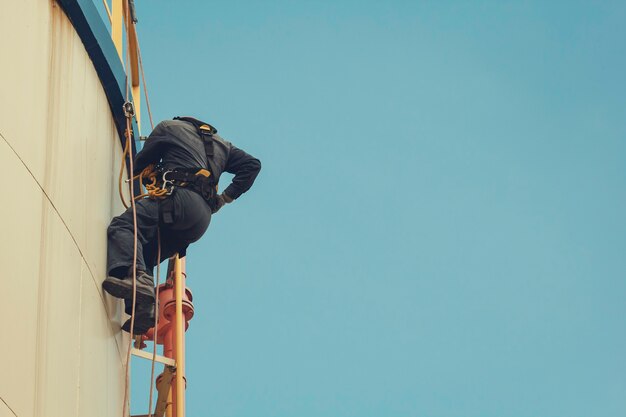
(152, 149)
(150, 154)
(245, 167)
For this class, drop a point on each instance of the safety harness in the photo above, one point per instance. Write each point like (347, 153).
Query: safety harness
(206, 132)
(161, 183)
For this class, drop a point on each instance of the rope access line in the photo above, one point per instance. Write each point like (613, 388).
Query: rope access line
(121, 176)
(148, 177)
(156, 318)
(129, 114)
(143, 80)
(148, 107)
(152, 190)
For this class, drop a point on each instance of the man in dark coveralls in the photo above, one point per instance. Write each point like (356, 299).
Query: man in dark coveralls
(180, 148)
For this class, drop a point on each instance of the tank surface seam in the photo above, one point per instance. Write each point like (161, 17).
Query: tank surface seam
(93, 277)
(9, 407)
(51, 203)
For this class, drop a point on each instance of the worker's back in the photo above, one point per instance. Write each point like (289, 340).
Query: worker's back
(177, 144)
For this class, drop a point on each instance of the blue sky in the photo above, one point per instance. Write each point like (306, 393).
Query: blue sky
(439, 227)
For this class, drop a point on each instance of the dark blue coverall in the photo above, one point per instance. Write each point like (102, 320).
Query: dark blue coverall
(175, 144)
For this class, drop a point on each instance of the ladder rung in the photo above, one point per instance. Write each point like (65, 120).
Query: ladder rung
(146, 355)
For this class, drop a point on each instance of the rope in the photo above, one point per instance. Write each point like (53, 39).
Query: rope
(145, 91)
(152, 188)
(121, 176)
(143, 80)
(106, 7)
(153, 191)
(134, 306)
(127, 147)
(156, 321)
(134, 208)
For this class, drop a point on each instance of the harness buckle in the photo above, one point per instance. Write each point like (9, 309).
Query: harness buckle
(167, 183)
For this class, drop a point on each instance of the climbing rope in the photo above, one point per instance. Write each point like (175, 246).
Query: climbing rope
(148, 177)
(134, 299)
(143, 80)
(152, 188)
(128, 135)
(152, 191)
(148, 107)
(121, 176)
(156, 318)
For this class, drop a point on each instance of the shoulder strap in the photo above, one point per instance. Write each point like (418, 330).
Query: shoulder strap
(205, 130)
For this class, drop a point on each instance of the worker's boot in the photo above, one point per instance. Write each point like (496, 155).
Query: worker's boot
(123, 288)
(144, 318)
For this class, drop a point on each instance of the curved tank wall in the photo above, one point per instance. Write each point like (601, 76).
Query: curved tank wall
(61, 349)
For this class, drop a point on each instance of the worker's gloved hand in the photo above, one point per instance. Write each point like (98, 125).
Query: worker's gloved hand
(221, 200)
(227, 198)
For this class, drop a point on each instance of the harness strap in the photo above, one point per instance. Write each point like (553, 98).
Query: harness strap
(206, 132)
(199, 180)
(207, 137)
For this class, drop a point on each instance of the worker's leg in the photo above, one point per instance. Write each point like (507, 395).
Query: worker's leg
(121, 251)
(192, 216)
(121, 237)
(167, 249)
(144, 317)
(144, 312)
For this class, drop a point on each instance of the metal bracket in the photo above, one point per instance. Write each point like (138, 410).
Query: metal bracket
(158, 358)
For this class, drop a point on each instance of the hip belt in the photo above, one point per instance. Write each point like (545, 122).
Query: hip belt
(161, 183)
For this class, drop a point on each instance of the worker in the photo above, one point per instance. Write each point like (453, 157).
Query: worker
(189, 158)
